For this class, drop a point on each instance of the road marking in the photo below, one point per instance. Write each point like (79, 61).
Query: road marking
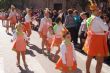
(1, 65)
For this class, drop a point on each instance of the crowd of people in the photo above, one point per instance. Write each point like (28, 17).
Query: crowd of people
(61, 29)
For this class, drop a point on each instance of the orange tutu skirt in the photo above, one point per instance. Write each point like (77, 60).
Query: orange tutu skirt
(20, 44)
(13, 22)
(56, 41)
(64, 68)
(44, 37)
(24, 29)
(96, 45)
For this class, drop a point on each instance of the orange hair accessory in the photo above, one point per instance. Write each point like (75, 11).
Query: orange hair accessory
(64, 32)
(93, 6)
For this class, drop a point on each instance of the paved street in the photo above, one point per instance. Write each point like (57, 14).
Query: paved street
(37, 63)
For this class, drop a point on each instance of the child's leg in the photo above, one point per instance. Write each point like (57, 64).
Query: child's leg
(49, 51)
(57, 52)
(70, 72)
(18, 58)
(12, 27)
(81, 42)
(23, 57)
(48, 48)
(42, 46)
(44, 43)
(88, 63)
(2, 22)
(7, 26)
(99, 64)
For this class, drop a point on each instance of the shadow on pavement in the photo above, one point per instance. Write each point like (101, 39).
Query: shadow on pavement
(25, 70)
(30, 52)
(55, 59)
(78, 71)
(34, 47)
(9, 34)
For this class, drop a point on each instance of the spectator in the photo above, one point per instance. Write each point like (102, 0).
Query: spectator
(106, 18)
(55, 15)
(77, 21)
(70, 24)
(83, 28)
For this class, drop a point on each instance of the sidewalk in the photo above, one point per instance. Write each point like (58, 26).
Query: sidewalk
(1, 65)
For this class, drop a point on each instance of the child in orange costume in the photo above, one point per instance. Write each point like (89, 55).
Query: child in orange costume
(50, 36)
(67, 62)
(3, 17)
(27, 23)
(96, 42)
(43, 29)
(57, 40)
(20, 44)
(13, 18)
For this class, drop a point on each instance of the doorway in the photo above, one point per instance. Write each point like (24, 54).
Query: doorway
(58, 6)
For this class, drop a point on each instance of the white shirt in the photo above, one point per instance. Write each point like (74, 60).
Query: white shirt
(49, 36)
(98, 26)
(28, 18)
(45, 22)
(83, 25)
(42, 22)
(63, 51)
(13, 14)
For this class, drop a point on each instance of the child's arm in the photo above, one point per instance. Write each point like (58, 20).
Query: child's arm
(63, 50)
(41, 25)
(14, 37)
